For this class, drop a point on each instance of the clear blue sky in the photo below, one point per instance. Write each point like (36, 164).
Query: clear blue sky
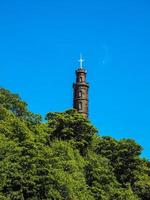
(40, 43)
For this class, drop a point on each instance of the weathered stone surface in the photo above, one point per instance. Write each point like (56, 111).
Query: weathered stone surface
(80, 99)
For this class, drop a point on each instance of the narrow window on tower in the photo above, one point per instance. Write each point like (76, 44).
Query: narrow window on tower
(80, 79)
(80, 93)
(80, 106)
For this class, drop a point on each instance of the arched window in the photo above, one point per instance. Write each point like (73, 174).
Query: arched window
(80, 105)
(80, 93)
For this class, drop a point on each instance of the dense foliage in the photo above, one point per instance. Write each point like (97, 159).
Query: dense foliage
(64, 158)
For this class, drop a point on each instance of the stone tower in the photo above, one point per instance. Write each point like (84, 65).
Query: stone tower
(80, 97)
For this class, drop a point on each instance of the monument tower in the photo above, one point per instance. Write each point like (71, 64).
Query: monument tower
(80, 89)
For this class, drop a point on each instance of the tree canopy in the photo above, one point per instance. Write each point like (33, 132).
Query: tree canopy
(64, 158)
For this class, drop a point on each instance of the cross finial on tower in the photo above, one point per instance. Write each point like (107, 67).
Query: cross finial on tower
(81, 60)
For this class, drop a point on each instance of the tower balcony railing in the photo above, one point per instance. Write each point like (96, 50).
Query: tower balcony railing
(82, 83)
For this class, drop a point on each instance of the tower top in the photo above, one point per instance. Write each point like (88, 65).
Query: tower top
(81, 60)
(80, 89)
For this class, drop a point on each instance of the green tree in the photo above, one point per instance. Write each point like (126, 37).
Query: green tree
(123, 155)
(70, 125)
(64, 158)
(13, 103)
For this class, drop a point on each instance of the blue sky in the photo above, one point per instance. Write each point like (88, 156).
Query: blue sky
(40, 44)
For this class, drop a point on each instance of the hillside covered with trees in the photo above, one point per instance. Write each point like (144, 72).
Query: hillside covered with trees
(64, 158)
